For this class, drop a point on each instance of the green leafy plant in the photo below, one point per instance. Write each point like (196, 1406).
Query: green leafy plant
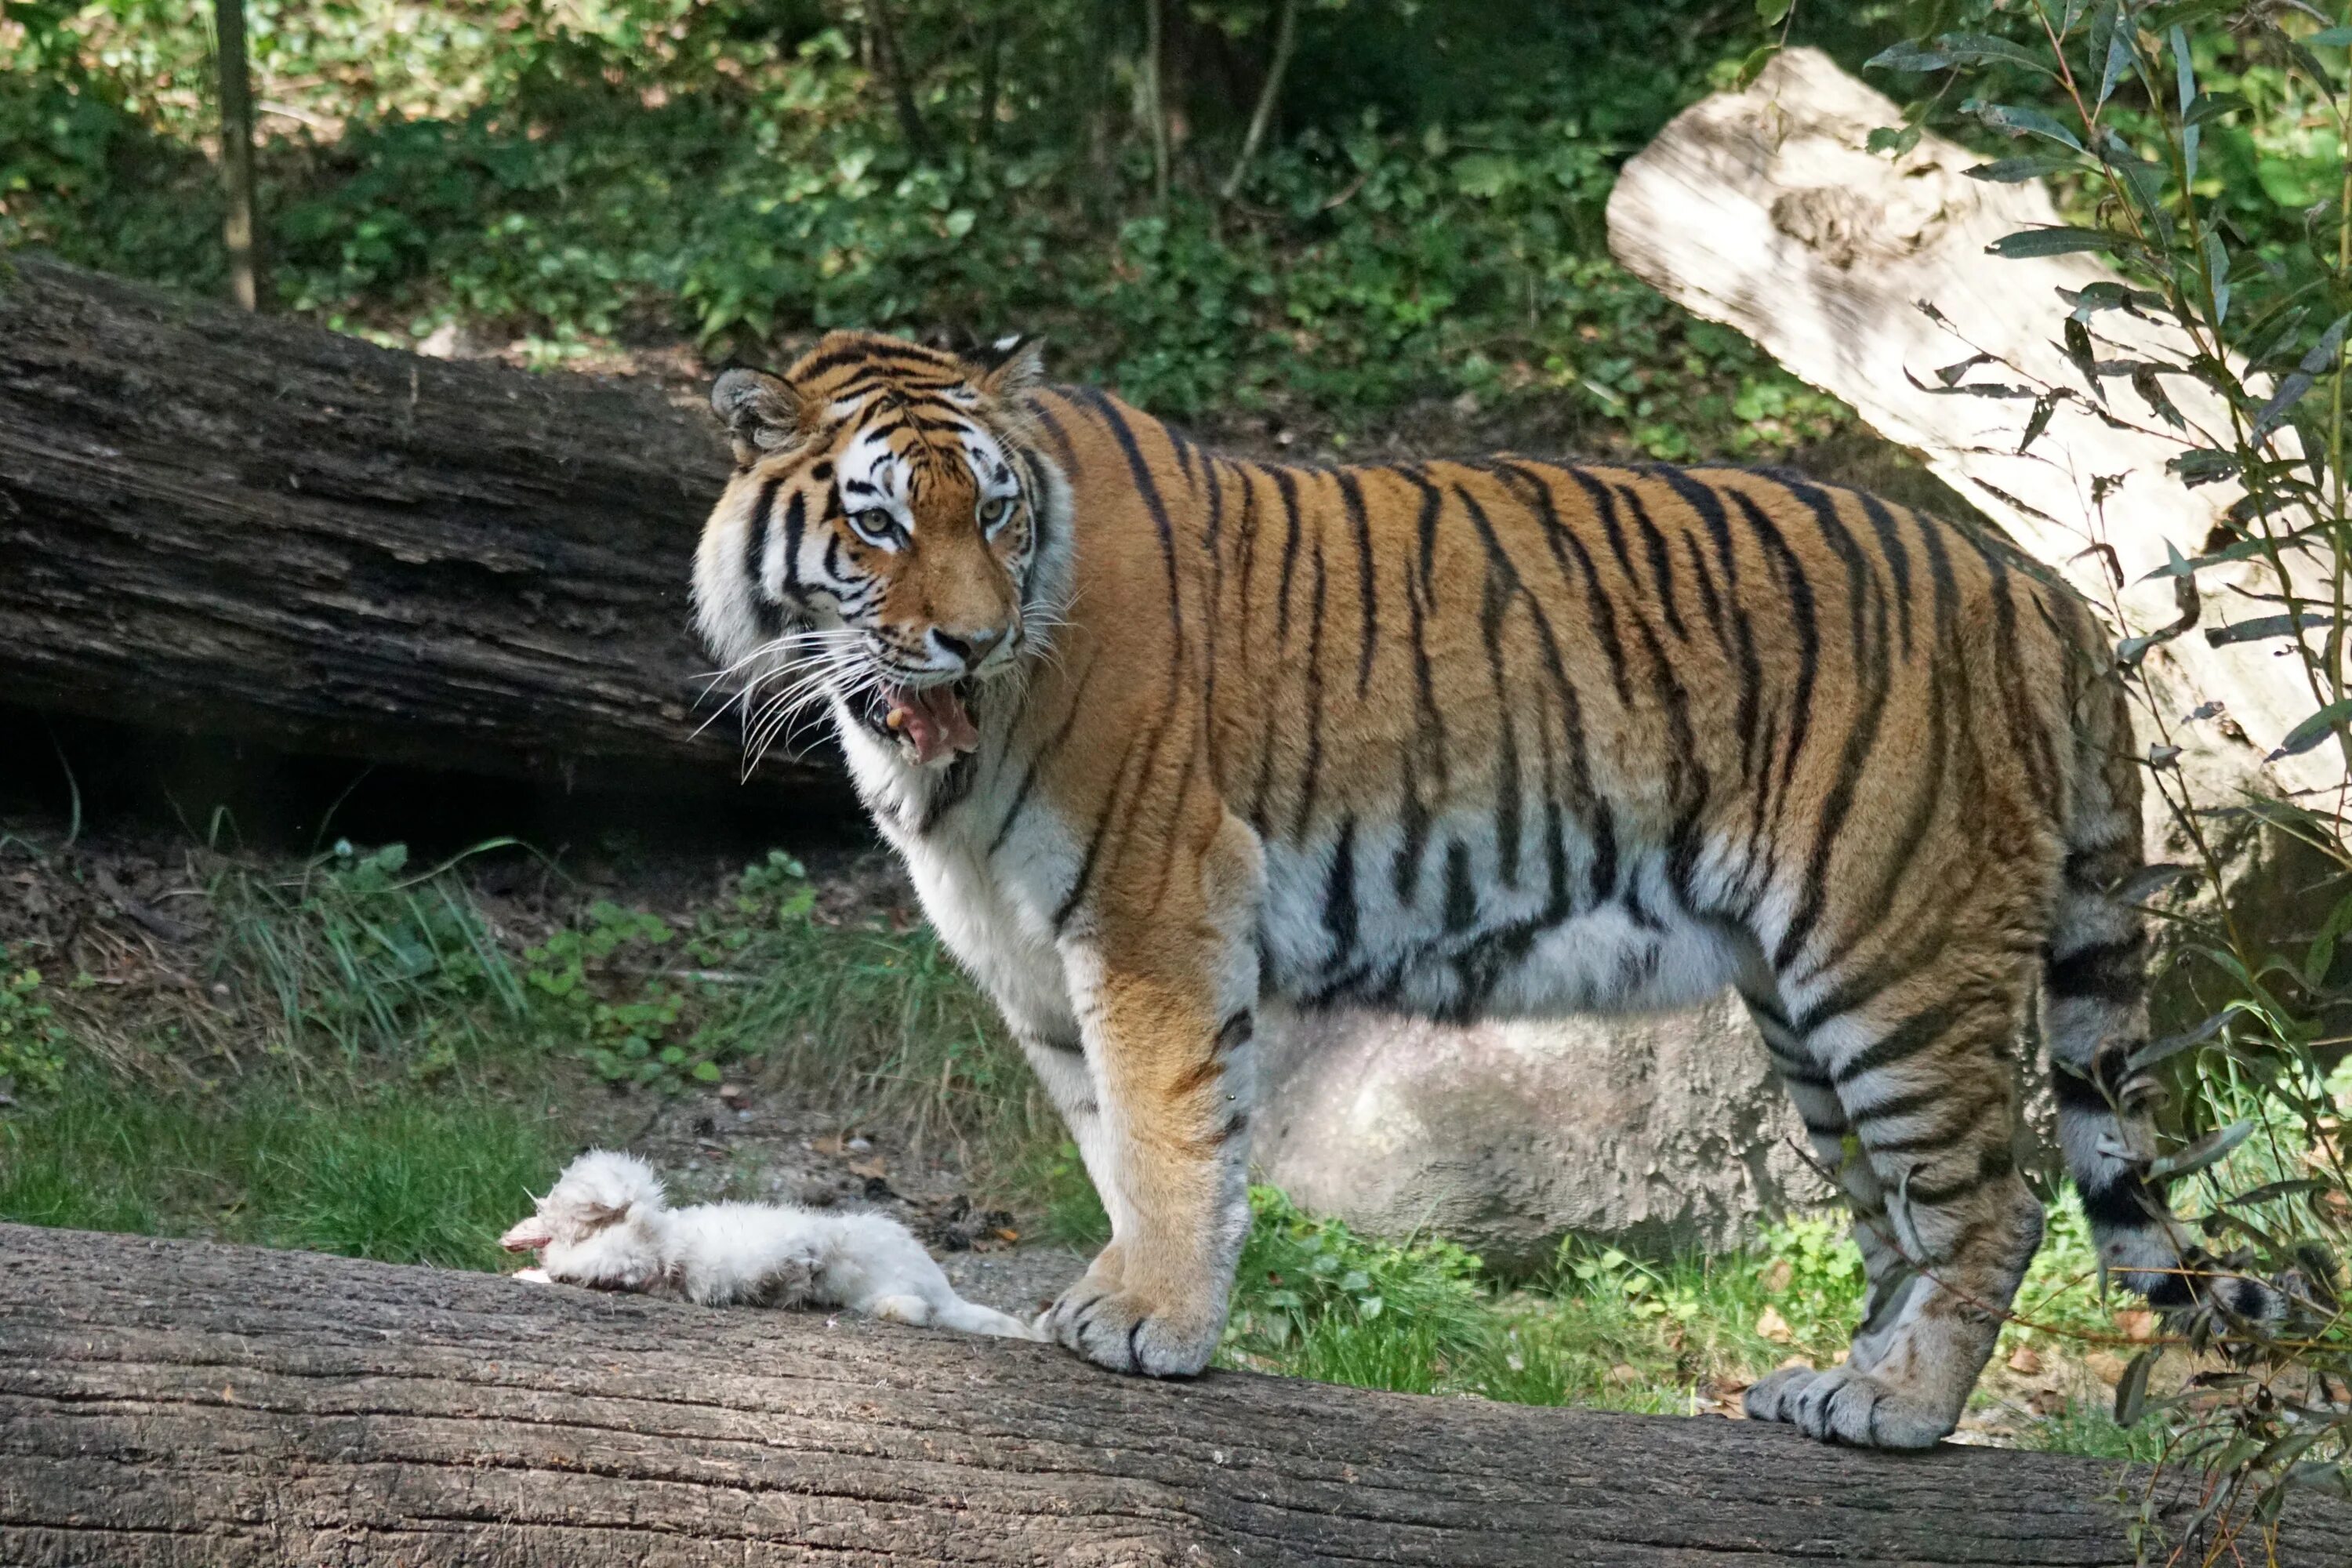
(623, 1028)
(32, 1042)
(2201, 147)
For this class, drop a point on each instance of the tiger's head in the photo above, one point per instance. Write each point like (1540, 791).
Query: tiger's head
(885, 540)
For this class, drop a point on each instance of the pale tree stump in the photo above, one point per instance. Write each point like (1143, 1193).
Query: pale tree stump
(1764, 210)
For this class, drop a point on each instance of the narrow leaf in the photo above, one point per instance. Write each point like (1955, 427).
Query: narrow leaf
(1770, 12)
(2264, 627)
(2023, 167)
(2023, 119)
(2185, 80)
(2147, 881)
(2131, 1389)
(2271, 1192)
(2059, 239)
(2044, 406)
(2115, 64)
(2318, 361)
(2155, 1051)
(2202, 467)
(2321, 957)
(2212, 106)
(2151, 391)
(2101, 43)
(1974, 389)
(2313, 731)
(2211, 1149)
(1910, 56)
(2318, 1474)
(1753, 66)
(2085, 360)
(1950, 375)
(2109, 295)
(1977, 48)
(2164, 18)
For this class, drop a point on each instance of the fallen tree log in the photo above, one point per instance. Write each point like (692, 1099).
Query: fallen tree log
(172, 1402)
(212, 521)
(1764, 209)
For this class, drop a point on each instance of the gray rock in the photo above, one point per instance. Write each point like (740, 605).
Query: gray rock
(1657, 1133)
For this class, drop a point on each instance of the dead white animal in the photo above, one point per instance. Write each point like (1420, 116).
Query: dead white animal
(607, 1225)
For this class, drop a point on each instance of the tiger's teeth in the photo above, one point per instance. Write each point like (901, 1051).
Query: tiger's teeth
(895, 720)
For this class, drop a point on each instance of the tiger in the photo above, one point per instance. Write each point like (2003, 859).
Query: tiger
(1165, 734)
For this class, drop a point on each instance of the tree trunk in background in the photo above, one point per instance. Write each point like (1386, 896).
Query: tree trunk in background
(1286, 39)
(172, 1402)
(1155, 65)
(215, 522)
(244, 230)
(894, 70)
(1763, 209)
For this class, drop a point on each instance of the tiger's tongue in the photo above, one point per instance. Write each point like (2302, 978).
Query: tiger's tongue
(933, 720)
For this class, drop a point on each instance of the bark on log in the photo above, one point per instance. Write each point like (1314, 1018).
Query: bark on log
(1764, 210)
(211, 522)
(184, 1402)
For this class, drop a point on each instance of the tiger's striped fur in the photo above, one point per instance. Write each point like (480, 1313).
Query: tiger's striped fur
(1495, 737)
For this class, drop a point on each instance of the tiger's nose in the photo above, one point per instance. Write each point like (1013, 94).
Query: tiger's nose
(970, 645)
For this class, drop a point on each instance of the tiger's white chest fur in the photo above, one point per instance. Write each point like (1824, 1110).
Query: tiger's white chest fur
(988, 878)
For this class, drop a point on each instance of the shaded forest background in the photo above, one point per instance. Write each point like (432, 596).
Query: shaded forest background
(1420, 218)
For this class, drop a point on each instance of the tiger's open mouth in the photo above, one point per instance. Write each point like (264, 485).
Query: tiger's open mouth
(931, 721)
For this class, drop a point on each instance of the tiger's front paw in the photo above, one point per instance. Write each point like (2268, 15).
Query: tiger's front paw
(1843, 1406)
(1128, 1331)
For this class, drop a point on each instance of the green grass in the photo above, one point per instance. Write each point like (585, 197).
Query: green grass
(392, 1073)
(402, 1172)
(1600, 1330)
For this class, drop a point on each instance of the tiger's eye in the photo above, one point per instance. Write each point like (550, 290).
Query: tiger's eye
(992, 515)
(875, 525)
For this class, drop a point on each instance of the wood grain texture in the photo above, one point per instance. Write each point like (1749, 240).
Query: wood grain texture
(184, 1402)
(215, 522)
(1764, 209)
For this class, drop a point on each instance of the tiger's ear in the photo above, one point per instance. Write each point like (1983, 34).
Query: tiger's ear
(1010, 366)
(762, 412)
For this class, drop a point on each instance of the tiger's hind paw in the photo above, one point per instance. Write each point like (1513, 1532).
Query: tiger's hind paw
(1843, 1406)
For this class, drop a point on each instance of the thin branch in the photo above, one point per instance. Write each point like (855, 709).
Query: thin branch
(1286, 40)
(992, 58)
(902, 90)
(1155, 62)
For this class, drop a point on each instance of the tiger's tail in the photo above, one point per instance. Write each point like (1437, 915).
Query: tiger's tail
(2095, 1017)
